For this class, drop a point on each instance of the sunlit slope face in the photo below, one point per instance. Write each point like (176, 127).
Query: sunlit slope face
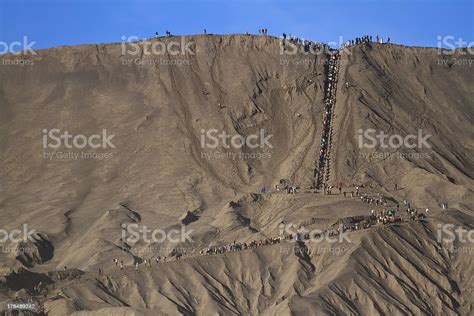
(86, 128)
(96, 136)
(405, 117)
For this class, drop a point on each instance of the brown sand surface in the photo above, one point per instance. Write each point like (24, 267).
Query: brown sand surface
(158, 175)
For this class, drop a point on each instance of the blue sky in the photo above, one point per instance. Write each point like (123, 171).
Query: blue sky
(69, 22)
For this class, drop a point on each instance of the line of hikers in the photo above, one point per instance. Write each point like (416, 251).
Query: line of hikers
(176, 253)
(329, 101)
(307, 45)
(379, 200)
(385, 217)
(310, 45)
(243, 246)
(284, 185)
(327, 189)
(167, 34)
(365, 39)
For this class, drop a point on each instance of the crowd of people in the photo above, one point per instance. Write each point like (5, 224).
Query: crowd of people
(378, 200)
(236, 246)
(284, 185)
(306, 44)
(329, 101)
(413, 214)
(327, 189)
(178, 253)
(365, 39)
(385, 217)
(311, 45)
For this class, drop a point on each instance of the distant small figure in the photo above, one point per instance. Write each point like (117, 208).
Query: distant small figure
(205, 31)
(156, 35)
(116, 261)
